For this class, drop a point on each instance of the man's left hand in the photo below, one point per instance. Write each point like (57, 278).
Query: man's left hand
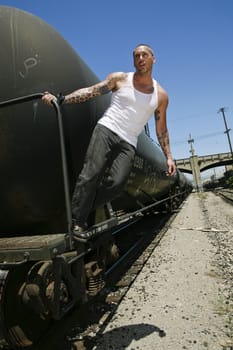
(171, 167)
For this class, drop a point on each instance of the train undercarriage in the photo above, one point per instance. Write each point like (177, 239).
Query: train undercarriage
(43, 277)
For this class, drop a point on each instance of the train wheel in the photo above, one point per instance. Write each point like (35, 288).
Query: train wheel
(21, 326)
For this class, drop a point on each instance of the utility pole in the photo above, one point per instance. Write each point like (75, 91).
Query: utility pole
(222, 110)
(191, 141)
(195, 166)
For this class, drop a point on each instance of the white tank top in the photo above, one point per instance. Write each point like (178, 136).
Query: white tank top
(129, 110)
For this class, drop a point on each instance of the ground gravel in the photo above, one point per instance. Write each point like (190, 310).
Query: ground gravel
(183, 298)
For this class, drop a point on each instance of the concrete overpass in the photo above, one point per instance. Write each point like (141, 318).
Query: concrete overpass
(195, 165)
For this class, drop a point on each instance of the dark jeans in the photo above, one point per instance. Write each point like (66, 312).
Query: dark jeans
(106, 168)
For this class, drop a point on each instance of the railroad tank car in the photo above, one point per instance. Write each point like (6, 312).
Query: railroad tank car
(42, 270)
(35, 58)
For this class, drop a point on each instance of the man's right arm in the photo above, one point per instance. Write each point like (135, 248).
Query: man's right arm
(85, 94)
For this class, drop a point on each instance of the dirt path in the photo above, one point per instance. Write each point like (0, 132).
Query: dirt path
(182, 299)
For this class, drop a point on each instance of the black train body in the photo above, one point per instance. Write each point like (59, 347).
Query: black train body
(35, 58)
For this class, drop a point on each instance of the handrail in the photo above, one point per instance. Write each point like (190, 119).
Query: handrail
(62, 149)
(17, 100)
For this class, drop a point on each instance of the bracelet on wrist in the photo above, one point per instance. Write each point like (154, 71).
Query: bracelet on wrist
(60, 99)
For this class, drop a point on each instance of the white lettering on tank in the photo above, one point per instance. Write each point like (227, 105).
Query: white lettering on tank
(28, 63)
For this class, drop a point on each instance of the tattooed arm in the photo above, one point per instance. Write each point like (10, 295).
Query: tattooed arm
(87, 93)
(161, 129)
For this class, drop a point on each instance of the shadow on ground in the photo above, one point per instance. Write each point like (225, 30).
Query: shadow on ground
(120, 338)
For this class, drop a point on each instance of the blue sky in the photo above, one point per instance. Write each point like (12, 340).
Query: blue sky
(192, 40)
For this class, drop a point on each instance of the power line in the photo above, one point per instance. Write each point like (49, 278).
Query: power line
(200, 137)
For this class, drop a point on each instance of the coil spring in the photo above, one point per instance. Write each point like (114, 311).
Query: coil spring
(95, 278)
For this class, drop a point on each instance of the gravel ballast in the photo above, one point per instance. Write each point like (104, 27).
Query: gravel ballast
(182, 299)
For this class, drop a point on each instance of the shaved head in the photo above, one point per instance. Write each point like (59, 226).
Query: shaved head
(147, 46)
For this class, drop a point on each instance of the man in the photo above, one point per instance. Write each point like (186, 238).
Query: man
(135, 97)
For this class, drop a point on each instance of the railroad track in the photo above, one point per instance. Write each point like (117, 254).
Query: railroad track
(79, 329)
(226, 194)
